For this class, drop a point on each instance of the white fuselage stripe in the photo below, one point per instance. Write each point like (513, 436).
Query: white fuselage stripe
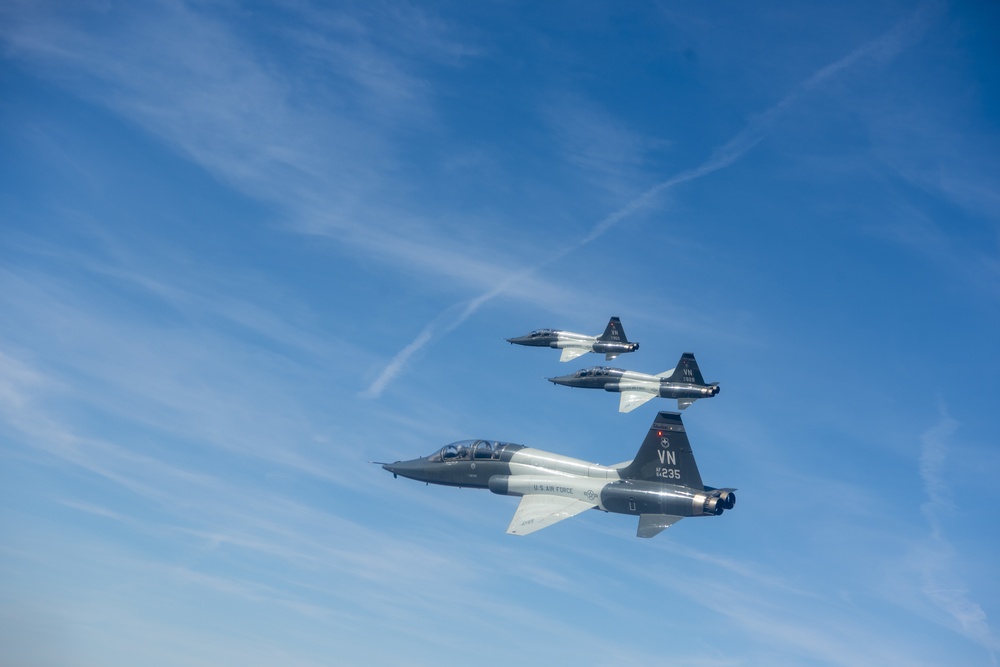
(529, 461)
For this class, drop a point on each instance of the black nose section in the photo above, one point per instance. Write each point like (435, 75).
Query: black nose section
(415, 469)
(404, 468)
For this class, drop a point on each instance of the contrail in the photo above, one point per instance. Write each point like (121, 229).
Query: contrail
(883, 48)
(396, 365)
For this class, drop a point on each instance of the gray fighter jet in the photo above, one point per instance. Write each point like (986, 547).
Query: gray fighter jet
(683, 383)
(661, 485)
(611, 343)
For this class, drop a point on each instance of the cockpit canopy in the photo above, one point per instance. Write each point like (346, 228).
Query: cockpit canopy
(469, 450)
(540, 332)
(596, 371)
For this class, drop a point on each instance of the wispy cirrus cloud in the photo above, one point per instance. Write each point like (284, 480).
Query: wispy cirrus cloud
(609, 155)
(319, 135)
(936, 560)
(144, 377)
(781, 618)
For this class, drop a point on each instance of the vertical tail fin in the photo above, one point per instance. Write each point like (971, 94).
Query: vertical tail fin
(665, 455)
(687, 370)
(614, 332)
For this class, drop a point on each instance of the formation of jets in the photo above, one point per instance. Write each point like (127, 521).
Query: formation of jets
(683, 382)
(661, 484)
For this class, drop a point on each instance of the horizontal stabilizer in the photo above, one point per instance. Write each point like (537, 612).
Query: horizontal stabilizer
(685, 402)
(633, 399)
(571, 353)
(540, 511)
(651, 525)
(666, 374)
(611, 355)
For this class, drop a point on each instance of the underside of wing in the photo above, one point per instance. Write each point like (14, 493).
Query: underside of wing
(685, 402)
(571, 353)
(633, 399)
(651, 525)
(536, 512)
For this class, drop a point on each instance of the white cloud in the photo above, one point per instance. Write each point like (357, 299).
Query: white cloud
(936, 561)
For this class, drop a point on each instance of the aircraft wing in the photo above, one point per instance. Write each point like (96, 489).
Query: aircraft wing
(571, 353)
(651, 525)
(537, 511)
(685, 402)
(633, 399)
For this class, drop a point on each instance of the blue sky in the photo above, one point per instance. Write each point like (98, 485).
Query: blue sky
(247, 248)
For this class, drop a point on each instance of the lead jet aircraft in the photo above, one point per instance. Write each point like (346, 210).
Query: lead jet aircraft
(683, 383)
(661, 485)
(611, 343)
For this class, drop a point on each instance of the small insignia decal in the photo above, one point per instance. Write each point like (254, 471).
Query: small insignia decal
(664, 442)
(590, 494)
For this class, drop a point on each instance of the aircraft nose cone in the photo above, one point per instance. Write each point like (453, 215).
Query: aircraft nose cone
(414, 469)
(404, 468)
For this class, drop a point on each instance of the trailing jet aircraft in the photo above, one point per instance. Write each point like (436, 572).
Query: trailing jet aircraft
(611, 343)
(683, 383)
(661, 485)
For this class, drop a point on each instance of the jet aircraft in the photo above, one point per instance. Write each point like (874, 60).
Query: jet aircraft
(611, 343)
(683, 383)
(661, 485)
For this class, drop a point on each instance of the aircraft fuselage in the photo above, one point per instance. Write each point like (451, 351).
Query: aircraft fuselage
(618, 380)
(567, 339)
(524, 470)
